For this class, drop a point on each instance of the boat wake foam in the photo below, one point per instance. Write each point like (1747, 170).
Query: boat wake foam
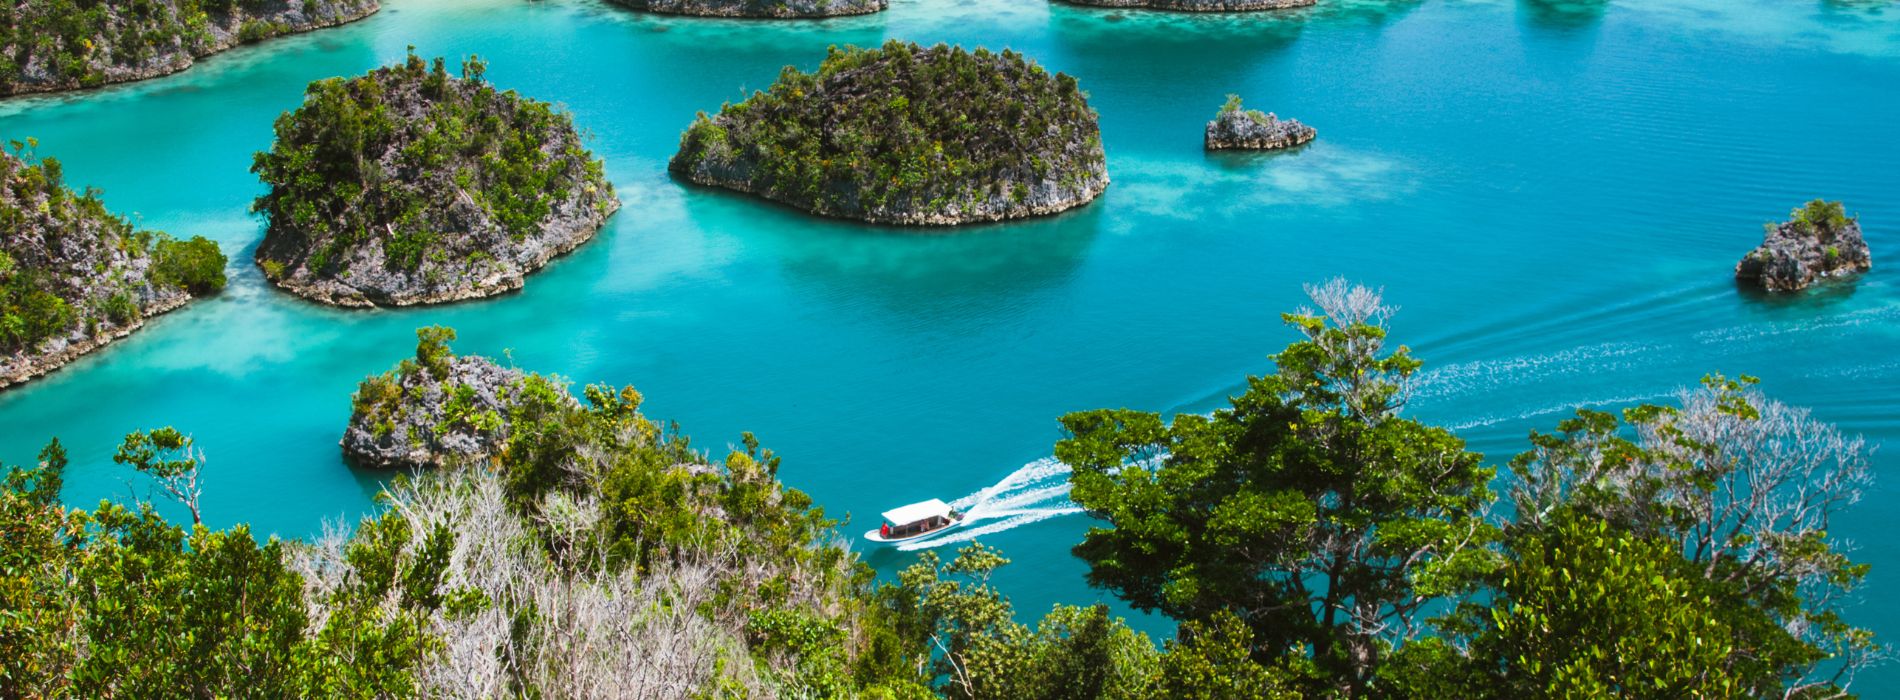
(1036, 492)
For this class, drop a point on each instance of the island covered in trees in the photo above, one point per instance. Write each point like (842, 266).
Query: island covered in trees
(1818, 241)
(74, 277)
(904, 134)
(438, 408)
(775, 9)
(52, 45)
(412, 186)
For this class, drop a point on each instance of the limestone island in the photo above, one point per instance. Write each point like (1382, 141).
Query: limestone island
(767, 9)
(53, 45)
(410, 186)
(74, 277)
(1200, 5)
(437, 409)
(1251, 129)
(907, 135)
(1818, 241)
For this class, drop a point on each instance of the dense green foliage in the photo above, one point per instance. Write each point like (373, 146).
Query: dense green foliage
(901, 128)
(117, 602)
(196, 265)
(1820, 218)
(1604, 612)
(67, 264)
(1682, 552)
(411, 169)
(1308, 508)
(86, 43)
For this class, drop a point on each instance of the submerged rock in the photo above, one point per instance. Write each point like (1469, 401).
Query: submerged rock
(74, 277)
(1252, 129)
(907, 135)
(1818, 241)
(53, 45)
(776, 9)
(1200, 5)
(409, 186)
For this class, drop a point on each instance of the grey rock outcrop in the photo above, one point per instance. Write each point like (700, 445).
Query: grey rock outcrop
(774, 9)
(1820, 241)
(414, 418)
(1236, 128)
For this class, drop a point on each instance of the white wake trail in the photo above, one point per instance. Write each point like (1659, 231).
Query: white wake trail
(1035, 492)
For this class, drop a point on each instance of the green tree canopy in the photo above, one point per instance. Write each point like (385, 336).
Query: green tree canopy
(1310, 508)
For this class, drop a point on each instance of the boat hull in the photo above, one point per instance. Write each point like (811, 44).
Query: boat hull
(877, 538)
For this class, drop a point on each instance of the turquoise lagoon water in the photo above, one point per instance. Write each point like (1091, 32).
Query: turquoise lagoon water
(1554, 192)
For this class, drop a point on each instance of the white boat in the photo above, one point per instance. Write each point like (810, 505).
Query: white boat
(916, 521)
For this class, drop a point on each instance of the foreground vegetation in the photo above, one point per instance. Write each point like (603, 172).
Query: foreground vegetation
(73, 276)
(909, 135)
(1676, 551)
(48, 45)
(1310, 540)
(409, 186)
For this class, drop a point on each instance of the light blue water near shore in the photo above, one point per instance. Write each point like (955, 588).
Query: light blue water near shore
(1554, 191)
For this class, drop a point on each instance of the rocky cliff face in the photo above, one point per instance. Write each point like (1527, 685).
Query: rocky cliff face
(1820, 241)
(907, 135)
(1251, 129)
(52, 45)
(1200, 5)
(449, 411)
(441, 189)
(776, 9)
(74, 277)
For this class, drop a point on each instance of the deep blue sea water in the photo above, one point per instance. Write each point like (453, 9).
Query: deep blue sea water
(1554, 192)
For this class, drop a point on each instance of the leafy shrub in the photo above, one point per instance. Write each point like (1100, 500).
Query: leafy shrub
(120, 308)
(1820, 217)
(196, 264)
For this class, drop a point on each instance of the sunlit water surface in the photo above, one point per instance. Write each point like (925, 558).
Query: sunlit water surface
(1554, 192)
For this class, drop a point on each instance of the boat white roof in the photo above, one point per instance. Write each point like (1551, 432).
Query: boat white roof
(916, 512)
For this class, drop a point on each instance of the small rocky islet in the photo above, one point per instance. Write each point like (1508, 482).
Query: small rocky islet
(443, 410)
(1250, 129)
(1199, 5)
(75, 277)
(1817, 242)
(437, 409)
(766, 9)
(411, 186)
(907, 135)
(55, 45)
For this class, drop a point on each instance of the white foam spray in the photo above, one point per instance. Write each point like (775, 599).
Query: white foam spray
(1035, 492)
